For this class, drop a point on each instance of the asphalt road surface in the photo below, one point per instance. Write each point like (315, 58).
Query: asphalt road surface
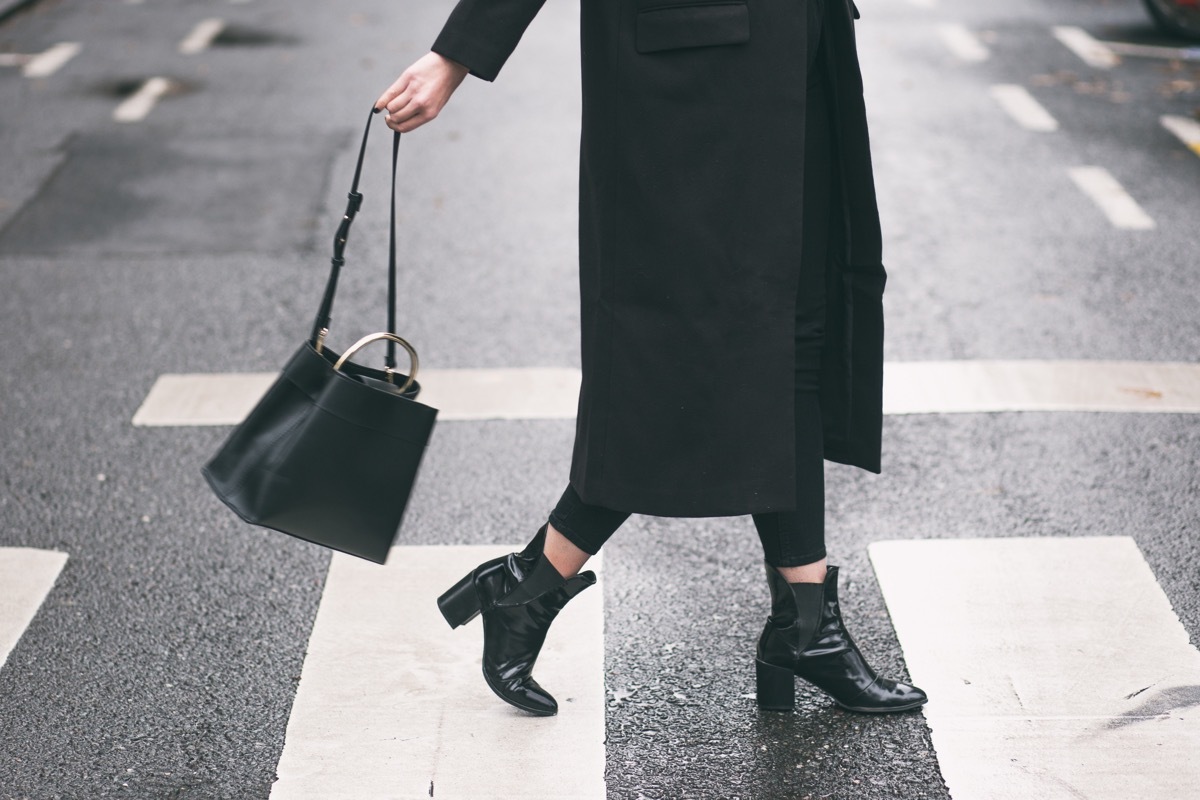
(180, 225)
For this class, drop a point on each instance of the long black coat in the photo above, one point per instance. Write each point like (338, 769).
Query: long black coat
(691, 176)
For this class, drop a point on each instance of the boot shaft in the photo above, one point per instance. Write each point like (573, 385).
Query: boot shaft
(797, 613)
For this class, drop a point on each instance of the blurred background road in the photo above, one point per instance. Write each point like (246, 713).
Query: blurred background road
(171, 172)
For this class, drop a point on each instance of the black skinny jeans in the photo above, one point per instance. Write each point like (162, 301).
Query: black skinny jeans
(789, 538)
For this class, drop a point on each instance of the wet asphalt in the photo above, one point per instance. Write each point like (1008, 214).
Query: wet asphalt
(165, 660)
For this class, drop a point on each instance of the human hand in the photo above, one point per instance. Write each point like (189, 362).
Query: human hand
(420, 92)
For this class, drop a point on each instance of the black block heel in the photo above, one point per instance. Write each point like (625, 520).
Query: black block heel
(776, 686)
(460, 603)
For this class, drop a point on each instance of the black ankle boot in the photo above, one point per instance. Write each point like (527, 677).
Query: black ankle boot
(805, 638)
(519, 596)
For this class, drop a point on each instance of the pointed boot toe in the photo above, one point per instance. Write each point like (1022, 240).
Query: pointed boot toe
(885, 697)
(518, 596)
(523, 693)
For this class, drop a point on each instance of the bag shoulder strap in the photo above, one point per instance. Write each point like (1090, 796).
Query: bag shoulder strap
(320, 327)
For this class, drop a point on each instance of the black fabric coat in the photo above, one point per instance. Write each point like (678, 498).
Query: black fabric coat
(690, 212)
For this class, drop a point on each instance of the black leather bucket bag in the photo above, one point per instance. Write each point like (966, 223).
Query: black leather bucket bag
(331, 452)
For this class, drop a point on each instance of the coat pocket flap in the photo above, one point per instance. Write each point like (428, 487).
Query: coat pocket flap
(692, 26)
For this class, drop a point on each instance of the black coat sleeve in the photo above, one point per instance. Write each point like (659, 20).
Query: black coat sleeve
(481, 34)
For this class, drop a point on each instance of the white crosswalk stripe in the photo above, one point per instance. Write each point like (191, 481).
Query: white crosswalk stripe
(464, 394)
(391, 702)
(935, 387)
(1056, 668)
(27, 576)
(950, 387)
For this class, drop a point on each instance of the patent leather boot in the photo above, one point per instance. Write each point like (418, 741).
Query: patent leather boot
(519, 595)
(805, 637)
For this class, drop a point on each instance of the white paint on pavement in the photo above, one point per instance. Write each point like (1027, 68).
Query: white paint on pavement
(927, 387)
(923, 3)
(1186, 129)
(971, 387)
(1081, 43)
(201, 36)
(51, 61)
(1056, 668)
(962, 43)
(1022, 107)
(391, 702)
(1154, 51)
(26, 577)
(458, 394)
(1107, 193)
(201, 399)
(139, 104)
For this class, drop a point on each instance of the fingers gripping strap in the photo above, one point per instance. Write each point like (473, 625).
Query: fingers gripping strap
(353, 204)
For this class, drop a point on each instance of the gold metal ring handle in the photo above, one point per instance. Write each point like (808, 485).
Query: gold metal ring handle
(379, 337)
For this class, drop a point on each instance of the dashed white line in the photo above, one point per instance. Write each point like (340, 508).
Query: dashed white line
(1188, 131)
(138, 105)
(1055, 667)
(962, 43)
(1023, 108)
(27, 576)
(51, 61)
(1081, 43)
(1107, 193)
(201, 36)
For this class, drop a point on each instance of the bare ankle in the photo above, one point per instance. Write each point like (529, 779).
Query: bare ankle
(564, 554)
(808, 573)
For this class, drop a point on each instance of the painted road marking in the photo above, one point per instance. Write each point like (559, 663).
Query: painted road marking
(1188, 131)
(391, 703)
(929, 387)
(962, 43)
(1107, 193)
(1055, 668)
(51, 61)
(1081, 43)
(971, 387)
(27, 576)
(1154, 51)
(201, 36)
(462, 394)
(139, 104)
(1022, 107)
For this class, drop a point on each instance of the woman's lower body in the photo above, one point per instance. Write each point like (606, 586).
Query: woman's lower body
(520, 594)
